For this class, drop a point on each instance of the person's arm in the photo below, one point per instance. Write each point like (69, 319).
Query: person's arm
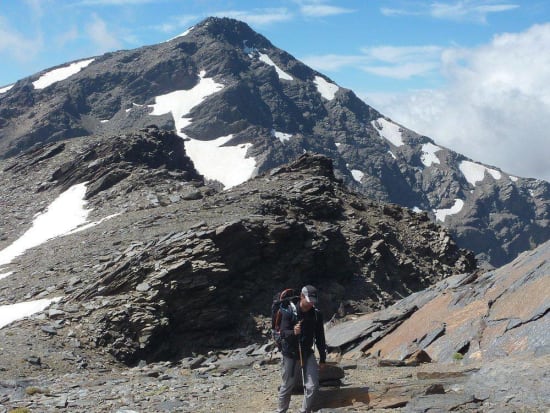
(320, 341)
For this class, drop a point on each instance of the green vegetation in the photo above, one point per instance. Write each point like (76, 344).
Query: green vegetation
(458, 356)
(34, 390)
(157, 391)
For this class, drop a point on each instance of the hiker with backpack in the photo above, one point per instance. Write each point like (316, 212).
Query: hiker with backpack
(298, 328)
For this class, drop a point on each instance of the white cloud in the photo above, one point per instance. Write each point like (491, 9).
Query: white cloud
(393, 54)
(36, 7)
(495, 107)
(114, 2)
(475, 11)
(69, 36)
(258, 17)
(22, 48)
(333, 62)
(388, 11)
(177, 23)
(402, 71)
(323, 10)
(387, 61)
(100, 35)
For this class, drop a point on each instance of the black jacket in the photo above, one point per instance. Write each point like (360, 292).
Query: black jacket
(312, 330)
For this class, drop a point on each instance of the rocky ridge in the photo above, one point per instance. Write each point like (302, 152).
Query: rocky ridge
(274, 105)
(138, 275)
(176, 285)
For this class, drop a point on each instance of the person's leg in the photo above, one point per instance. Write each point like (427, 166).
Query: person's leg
(288, 377)
(312, 383)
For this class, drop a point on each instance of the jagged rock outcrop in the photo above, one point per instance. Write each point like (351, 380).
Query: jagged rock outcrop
(178, 248)
(272, 108)
(301, 225)
(493, 325)
(502, 313)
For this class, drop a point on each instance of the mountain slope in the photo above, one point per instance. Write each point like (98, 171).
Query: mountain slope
(244, 106)
(162, 260)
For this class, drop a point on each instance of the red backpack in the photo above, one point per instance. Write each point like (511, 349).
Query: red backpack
(284, 302)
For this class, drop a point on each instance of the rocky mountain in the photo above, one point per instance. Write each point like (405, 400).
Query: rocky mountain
(244, 106)
(138, 264)
(163, 245)
(158, 299)
(150, 287)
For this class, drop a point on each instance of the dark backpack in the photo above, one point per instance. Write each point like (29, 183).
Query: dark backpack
(284, 302)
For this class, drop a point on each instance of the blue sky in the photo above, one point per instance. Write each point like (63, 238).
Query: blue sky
(471, 74)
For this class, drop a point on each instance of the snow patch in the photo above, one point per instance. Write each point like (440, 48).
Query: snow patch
(5, 88)
(392, 155)
(6, 274)
(441, 214)
(63, 215)
(104, 120)
(429, 157)
(13, 312)
(226, 164)
(474, 172)
(357, 174)
(326, 89)
(185, 33)
(92, 224)
(417, 210)
(338, 144)
(135, 105)
(494, 173)
(62, 73)
(180, 102)
(281, 73)
(513, 178)
(283, 137)
(389, 131)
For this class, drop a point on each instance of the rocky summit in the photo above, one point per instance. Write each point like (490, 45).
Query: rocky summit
(251, 107)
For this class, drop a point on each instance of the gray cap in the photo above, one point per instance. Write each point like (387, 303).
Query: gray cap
(310, 294)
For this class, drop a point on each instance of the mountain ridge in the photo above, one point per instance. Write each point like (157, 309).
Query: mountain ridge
(267, 110)
(164, 293)
(162, 245)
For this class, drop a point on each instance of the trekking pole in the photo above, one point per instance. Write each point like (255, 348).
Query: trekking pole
(302, 367)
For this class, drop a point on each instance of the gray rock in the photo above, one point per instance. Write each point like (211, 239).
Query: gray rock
(499, 219)
(62, 401)
(441, 403)
(49, 330)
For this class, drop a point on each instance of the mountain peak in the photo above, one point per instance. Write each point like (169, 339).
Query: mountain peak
(231, 30)
(244, 107)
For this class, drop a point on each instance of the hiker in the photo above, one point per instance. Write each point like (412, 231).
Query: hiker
(299, 332)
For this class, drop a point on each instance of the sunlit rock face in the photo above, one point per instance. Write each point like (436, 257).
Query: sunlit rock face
(243, 106)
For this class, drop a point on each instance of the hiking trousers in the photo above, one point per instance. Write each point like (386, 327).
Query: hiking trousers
(291, 374)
